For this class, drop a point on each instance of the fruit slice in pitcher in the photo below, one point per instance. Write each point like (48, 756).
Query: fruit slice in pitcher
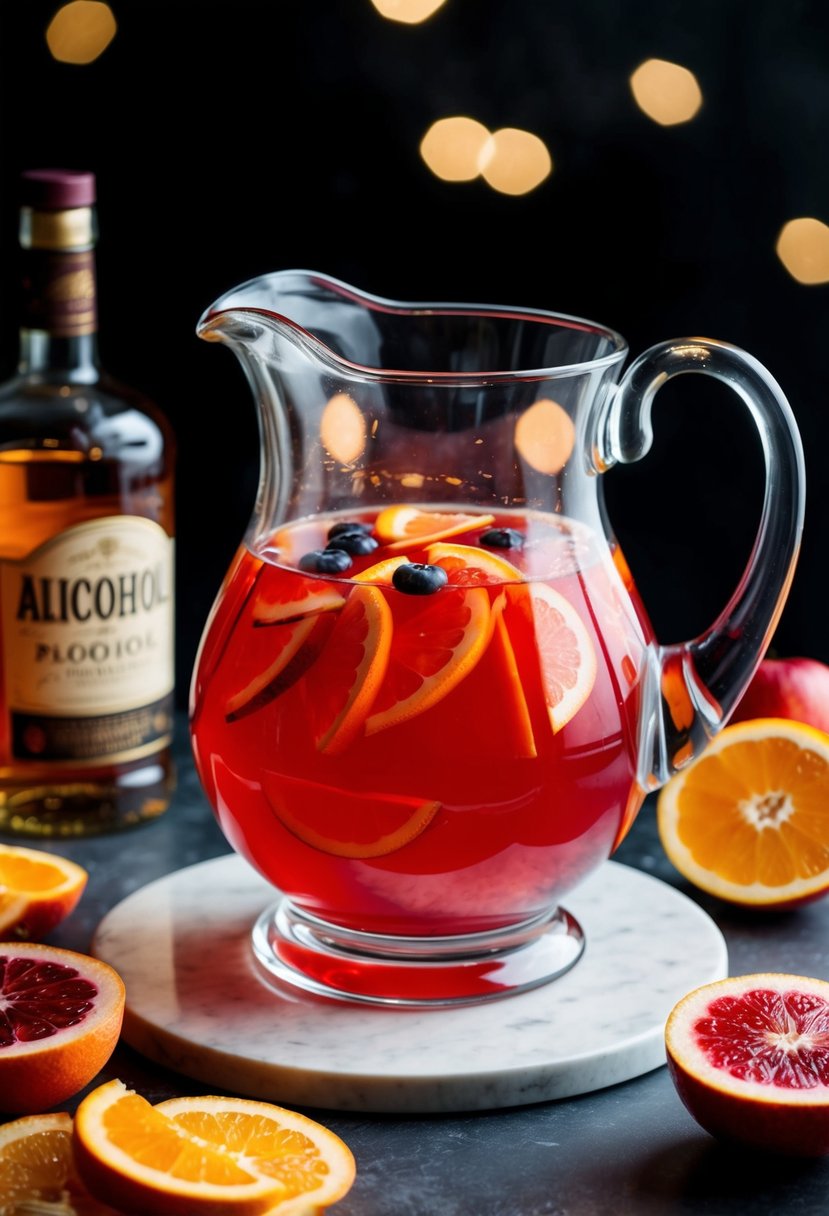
(565, 651)
(342, 684)
(346, 824)
(468, 566)
(286, 656)
(403, 525)
(433, 648)
(293, 599)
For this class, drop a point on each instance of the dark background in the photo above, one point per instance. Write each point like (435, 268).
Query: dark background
(235, 138)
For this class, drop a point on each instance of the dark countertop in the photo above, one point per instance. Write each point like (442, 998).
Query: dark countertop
(631, 1148)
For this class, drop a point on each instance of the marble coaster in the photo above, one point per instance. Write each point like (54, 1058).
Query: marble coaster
(196, 1003)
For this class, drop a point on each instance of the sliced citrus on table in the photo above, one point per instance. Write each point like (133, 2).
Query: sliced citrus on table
(37, 1170)
(37, 890)
(567, 658)
(748, 821)
(749, 1057)
(402, 525)
(436, 643)
(343, 682)
(206, 1156)
(345, 823)
(60, 1017)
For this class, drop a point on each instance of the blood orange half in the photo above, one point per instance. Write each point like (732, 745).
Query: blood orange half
(60, 1017)
(345, 824)
(749, 1057)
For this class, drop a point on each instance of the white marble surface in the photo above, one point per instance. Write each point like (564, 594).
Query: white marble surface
(196, 1003)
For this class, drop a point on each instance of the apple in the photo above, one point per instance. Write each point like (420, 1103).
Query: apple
(796, 688)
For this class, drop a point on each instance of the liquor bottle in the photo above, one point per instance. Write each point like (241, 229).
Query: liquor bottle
(86, 550)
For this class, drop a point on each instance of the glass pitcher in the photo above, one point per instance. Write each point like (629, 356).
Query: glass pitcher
(428, 700)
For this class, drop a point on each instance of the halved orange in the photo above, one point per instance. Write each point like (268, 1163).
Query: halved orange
(37, 1170)
(37, 890)
(401, 525)
(468, 566)
(292, 599)
(206, 1156)
(748, 820)
(342, 683)
(61, 1018)
(346, 823)
(566, 654)
(434, 646)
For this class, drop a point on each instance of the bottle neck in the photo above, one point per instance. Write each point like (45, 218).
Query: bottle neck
(42, 354)
(59, 313)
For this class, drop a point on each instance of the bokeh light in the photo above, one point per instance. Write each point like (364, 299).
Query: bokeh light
(545, 436)
(452, 148)
(343, 429)
(513, 161)
(667, 92)
(803, 248)
(79, 32)
(410, 12)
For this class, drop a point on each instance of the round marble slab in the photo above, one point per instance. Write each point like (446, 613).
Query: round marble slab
(196, 1003)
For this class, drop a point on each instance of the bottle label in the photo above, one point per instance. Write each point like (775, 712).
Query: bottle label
(59, 293)
(87, 643)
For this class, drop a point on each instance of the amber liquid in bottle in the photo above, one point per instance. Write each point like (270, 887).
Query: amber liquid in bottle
(86, 552)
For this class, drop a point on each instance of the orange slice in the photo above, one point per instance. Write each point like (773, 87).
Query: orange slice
(565, 652)
(748, 1057)
(435, 645)
(61, 1017)
(37, 891)
(206, 1156)
(402, 525)
(37, 1170)
(517, 730)
(294, 598)
(293, 655)
(382, 572)
(345, 823)
(342, 684)
(468, 566)
(748, 820)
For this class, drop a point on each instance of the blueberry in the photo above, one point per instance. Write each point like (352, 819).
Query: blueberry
(347, 526)
(503, 538)
(325, 561)
(417, 579)
(355, 543)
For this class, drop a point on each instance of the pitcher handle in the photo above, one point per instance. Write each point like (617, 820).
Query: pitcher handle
(694, 685)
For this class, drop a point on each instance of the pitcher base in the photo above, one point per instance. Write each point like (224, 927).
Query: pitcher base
(293, 947)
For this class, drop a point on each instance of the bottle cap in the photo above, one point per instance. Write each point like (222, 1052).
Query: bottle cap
(57, 189)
